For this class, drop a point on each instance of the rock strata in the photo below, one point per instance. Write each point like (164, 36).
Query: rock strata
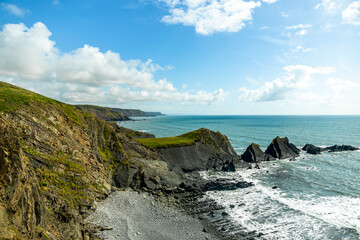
(209, 150)
(254, 154)
(281, 148)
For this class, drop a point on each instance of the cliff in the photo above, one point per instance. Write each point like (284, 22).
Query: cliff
(115, 114)
(56, 160)
(104, 113)
(195, 151)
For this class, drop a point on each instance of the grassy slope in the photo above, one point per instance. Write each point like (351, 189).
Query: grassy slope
(186, 139)
(105, 113)
(70, 177)
(13, 97)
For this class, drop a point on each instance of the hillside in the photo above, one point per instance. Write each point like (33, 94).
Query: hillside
(56, 161)
(103, 113)
(115, 114)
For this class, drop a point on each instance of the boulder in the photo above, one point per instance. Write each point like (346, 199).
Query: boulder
(309, 148)
(124, 176)
(341, 148)
(281, 148)
(253, 154)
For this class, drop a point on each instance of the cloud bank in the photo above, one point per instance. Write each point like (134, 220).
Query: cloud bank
(211, 16)
(352, 13)
(296, 77)
(28, 56)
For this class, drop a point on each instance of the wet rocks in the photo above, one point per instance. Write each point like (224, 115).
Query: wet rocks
(309, 148)
(253, 154)
(281, 148)
(341, 148)
(223, 185)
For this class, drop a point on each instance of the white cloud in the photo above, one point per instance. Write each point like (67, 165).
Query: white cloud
(296, 77)
(29, 57)
(339, 85)
(269, 1)
(301, 49)
(13, 9)
(298, 30)
(352, 13)
(327, 5)
(211, 16)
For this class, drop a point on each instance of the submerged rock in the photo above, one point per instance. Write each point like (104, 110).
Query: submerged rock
(309, 148)
(281, 148)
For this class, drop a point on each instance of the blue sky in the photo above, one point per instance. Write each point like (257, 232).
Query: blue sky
(187, 56)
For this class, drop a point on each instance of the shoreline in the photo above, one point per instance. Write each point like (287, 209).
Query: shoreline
(153, 219)
(177, 215)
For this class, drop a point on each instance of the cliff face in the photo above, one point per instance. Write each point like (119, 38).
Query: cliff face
(104, 113)
(54, 162)
(198, 150)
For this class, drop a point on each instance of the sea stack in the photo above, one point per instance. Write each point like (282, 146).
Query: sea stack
(253, 154)
(281, 148)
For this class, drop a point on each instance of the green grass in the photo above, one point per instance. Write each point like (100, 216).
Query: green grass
(186, 139)
(13, 97)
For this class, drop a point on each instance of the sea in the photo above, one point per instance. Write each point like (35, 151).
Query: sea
(314, 197)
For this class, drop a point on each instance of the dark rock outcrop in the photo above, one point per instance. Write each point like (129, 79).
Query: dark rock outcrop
(253, 154)
(309, 148)
(341, 148)
(210, 150)
(225, 185)
(281, 148)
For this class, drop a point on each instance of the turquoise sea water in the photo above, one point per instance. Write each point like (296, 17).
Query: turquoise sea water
(318, 197)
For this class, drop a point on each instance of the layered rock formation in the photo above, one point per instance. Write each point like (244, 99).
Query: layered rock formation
(198, 150)
(56, 160)
(103, 113)
(254, 154)
(115, 114)
(281, 148)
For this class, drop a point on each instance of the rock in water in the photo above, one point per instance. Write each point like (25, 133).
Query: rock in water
(341, 148)
(253, 154)
(281, 148)
(309, 148)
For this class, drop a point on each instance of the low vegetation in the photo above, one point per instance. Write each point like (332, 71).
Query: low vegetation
(186, 139)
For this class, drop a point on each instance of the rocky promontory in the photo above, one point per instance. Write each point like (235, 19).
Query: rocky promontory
(195, 151)
(56, 161)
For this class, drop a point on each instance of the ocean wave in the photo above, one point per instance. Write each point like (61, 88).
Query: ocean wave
(278, 216)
